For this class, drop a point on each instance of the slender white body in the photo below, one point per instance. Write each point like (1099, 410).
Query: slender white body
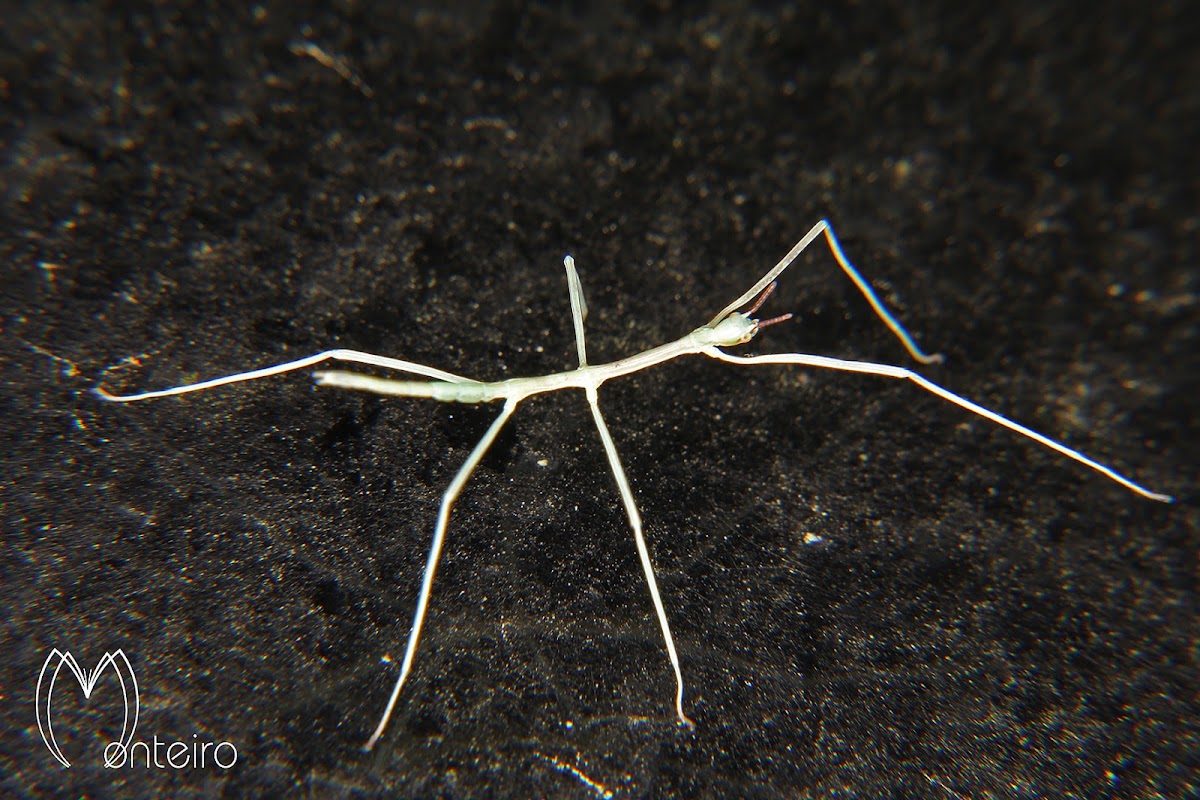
(728, 328)
(735, 329)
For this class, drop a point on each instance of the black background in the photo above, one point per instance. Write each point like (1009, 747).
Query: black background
(874, 594)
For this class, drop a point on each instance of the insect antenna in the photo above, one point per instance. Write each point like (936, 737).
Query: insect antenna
(775, 320)
(762, 298)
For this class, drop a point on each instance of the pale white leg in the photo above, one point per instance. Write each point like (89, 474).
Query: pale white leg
(635, 522)
(876, 304)
(578, 307)
(881, 311)
(578, 312)
(300, 363)
(774, 273)
(889, 371)
(431, 563)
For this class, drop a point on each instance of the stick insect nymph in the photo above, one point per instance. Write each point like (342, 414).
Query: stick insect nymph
(728, 328)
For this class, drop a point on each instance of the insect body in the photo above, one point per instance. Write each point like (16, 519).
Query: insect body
(728, 328)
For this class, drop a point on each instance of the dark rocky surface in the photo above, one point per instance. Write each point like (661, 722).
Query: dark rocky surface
(874, 594)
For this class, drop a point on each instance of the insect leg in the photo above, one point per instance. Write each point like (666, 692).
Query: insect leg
(289, 366)
(876, 304)
(578, 307)
(835, 247)
(635, 522)
(435, 553)
(890, 371)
